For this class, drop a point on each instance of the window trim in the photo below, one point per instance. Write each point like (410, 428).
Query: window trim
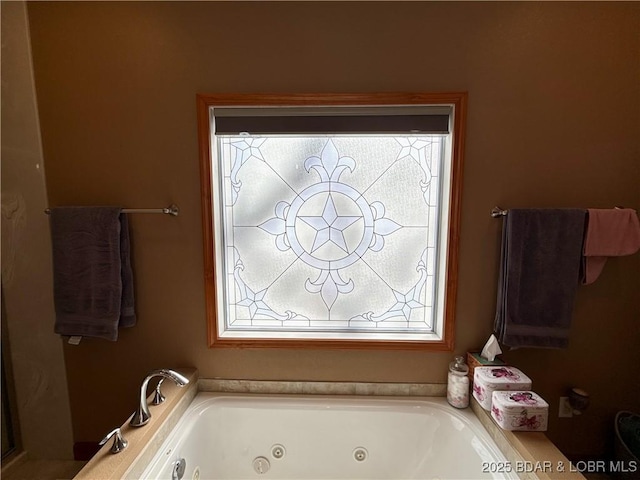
(456, 100)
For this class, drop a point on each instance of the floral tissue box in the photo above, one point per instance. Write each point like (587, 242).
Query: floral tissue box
(519, 411)
(486, 380)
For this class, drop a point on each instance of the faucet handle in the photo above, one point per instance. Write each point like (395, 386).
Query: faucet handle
(158, 397)
(119, 442)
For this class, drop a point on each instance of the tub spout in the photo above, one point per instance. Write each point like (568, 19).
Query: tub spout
(142, 414)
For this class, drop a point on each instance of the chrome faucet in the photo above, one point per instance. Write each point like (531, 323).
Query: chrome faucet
(142, 414)
(119, 442)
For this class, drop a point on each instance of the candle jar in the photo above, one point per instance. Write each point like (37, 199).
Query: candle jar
(458, 383)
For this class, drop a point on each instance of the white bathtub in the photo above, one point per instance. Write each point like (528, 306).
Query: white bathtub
(237, 436)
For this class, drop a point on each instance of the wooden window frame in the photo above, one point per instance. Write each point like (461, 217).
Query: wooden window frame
(456, 100)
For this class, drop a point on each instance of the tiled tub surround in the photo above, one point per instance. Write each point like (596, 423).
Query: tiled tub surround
(522, 449)
(322, 388)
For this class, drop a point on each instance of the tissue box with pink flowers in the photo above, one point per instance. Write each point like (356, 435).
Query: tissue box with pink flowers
(486, 380)
(520, 411)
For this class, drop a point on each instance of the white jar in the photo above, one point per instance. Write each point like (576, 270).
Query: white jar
(458, 383)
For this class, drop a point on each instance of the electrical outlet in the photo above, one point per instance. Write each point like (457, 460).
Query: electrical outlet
(565, 409)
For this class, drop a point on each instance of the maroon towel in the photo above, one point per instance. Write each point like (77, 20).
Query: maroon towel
(610, 233)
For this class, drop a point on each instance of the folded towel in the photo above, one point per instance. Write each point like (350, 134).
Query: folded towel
(610, 233)
(92, 275)
(539, 276)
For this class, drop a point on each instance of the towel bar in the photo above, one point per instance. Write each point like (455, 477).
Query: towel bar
(172, 210)
(499, 212)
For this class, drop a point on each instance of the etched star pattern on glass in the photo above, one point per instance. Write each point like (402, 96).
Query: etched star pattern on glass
(329, 233)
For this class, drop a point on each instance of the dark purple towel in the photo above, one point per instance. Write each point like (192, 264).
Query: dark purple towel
(93, 279)
(539, 276)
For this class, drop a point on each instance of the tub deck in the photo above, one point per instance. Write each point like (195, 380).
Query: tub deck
(147, 443)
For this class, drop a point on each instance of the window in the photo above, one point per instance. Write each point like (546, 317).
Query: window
(331, 220)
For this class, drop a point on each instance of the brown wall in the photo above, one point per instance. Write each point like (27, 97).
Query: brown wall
(553, 121)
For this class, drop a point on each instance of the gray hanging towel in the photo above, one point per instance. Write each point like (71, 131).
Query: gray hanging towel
(92, 275)
(539, 276)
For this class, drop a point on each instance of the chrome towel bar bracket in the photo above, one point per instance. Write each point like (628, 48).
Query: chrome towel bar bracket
(498, 212)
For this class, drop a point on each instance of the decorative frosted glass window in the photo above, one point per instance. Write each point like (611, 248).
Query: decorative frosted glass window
(329, 223)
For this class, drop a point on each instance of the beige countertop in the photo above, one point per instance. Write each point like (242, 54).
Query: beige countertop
(143, 441)
(530, 454)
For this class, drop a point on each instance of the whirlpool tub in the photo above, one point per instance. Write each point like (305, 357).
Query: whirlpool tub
(236, 436)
